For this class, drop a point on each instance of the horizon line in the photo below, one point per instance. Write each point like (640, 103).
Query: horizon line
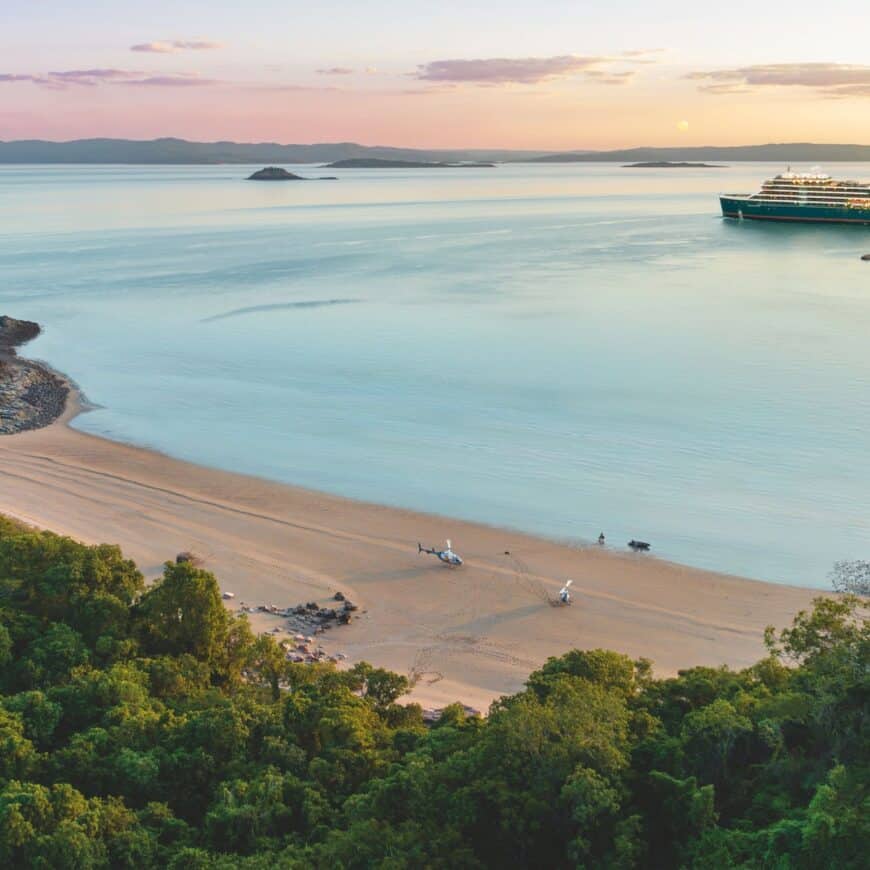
(337, 142)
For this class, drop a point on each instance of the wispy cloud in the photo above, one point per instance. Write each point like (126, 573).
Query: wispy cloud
(26, 77)
(172, 81)
(63, 79)
(92, 76)
(605, 77)
(289, 87)
(640, 52)
(525, 70)
(856, 90)
(335, 71)
(827, 79)
(172, 46)
(506, 70)
(725, 88)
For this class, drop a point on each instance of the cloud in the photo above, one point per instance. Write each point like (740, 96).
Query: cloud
(856, 90)
(529, 70)
(640, 52)
(828, 79)
(172, 46)
(335, 71)
(285, 87)
(15, 77)
(506, 70)
(725, 88)
(172, 81)
(63, 79)
(605, 77)
(92, 76)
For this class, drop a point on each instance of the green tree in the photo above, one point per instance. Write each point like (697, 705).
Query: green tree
(17, 754)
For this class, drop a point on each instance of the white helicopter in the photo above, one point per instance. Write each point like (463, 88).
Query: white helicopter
(447, 556)
(564, 594)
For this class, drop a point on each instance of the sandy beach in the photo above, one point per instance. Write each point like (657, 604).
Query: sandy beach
(469, 634)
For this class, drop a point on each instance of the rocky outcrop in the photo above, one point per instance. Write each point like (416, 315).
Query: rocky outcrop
(16, 332)
(31, 395)
(274, 173)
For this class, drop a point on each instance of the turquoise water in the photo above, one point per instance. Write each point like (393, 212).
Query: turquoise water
(561, 349)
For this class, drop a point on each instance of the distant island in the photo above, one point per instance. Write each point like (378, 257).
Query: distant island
(276, 173)
(181, 151)
(775, 152)
(670, 164)
(378, 163)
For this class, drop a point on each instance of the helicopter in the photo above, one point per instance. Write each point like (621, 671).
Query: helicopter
(447, 556)
(564, 593)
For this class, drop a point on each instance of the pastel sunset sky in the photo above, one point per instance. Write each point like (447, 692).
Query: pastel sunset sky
(554, 74)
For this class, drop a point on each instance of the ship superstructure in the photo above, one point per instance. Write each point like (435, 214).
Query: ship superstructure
(802, 196)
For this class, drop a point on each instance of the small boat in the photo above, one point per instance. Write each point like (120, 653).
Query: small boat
(638, 545)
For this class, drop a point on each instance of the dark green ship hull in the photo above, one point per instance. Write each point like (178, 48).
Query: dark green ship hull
(736, 207)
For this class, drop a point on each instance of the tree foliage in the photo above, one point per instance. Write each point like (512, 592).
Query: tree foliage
(150, 728)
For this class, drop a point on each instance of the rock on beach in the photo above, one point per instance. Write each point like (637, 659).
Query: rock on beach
(31, 395)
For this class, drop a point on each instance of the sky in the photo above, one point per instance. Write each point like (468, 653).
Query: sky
(556, 74)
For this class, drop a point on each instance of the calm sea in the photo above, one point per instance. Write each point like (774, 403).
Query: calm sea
(560, 349)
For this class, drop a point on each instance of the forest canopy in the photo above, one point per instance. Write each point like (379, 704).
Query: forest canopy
(148, 727)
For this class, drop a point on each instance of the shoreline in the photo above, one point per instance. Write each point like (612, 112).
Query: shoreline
(470, 634)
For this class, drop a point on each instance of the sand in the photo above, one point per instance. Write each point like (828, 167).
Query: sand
(470, 634)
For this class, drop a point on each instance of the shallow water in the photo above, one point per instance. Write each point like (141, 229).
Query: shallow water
(561, 349)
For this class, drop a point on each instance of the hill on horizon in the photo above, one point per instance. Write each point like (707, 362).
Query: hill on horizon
(181, 151)
(798, 152)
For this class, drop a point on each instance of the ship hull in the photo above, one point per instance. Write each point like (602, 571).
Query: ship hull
(746, 209)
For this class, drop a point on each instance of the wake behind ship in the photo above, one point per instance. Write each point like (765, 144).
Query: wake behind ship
(802, 196)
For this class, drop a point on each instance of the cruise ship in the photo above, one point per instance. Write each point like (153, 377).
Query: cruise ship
(802, 196)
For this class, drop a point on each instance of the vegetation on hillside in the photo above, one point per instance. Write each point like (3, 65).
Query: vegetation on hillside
(150, 728)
